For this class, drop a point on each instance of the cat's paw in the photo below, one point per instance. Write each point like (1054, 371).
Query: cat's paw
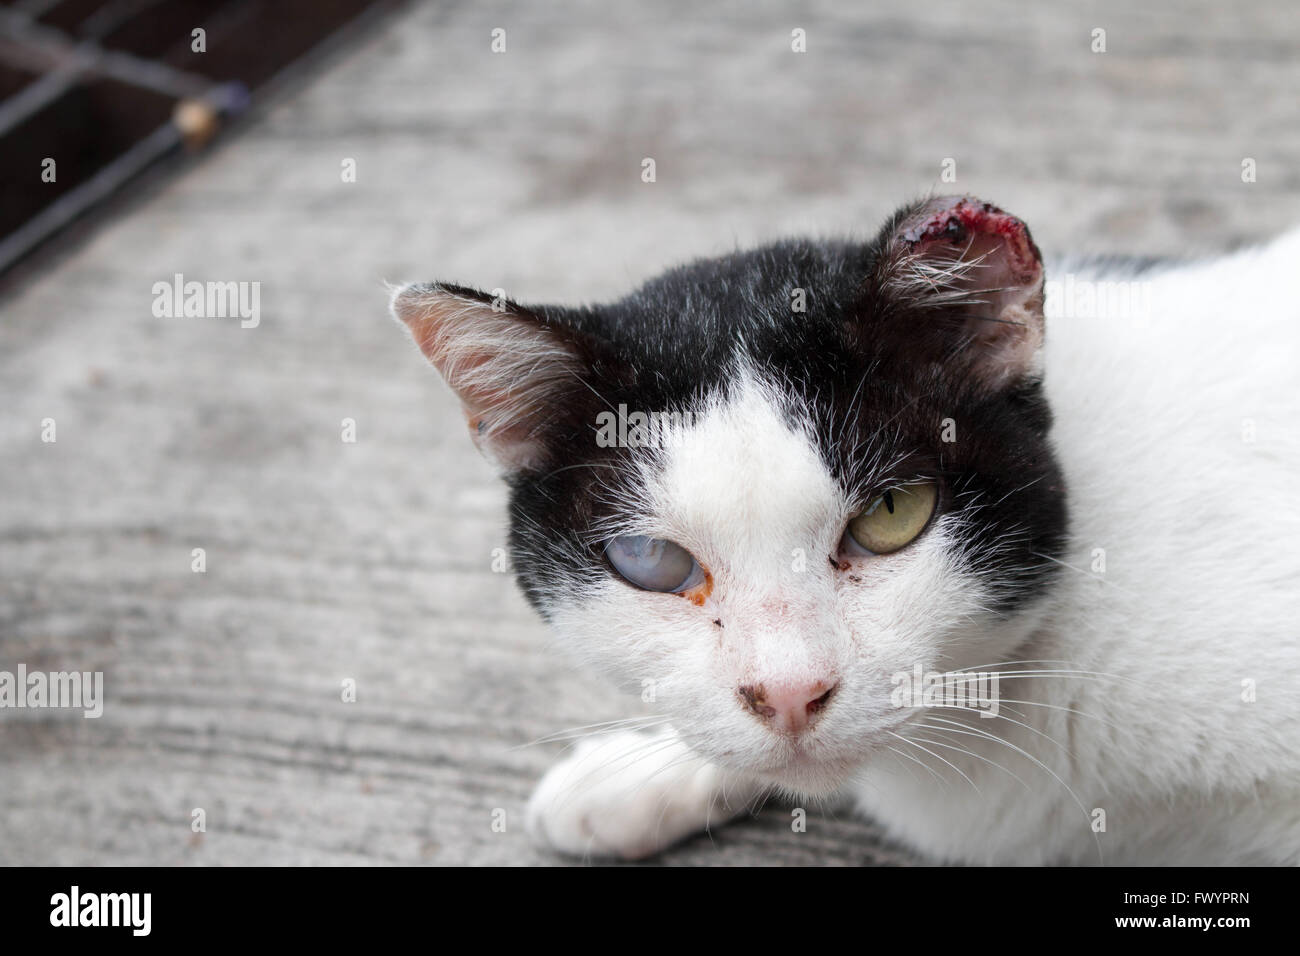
(629, 795)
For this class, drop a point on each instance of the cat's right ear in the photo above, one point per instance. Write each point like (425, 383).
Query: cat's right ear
(510, 369)
(969, 280)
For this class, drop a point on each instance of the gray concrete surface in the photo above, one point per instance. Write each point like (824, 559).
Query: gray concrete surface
(372, 561)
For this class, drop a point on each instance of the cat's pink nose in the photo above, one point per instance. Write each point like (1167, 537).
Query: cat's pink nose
(789, 708)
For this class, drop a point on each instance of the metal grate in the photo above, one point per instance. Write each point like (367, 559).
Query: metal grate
(92, 92)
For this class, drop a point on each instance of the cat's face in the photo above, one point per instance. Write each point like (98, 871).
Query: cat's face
(762, 486)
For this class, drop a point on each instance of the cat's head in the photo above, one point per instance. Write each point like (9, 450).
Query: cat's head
(761, 486)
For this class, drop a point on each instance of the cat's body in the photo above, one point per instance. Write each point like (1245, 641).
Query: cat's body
(1129, 570)
(1153, 422)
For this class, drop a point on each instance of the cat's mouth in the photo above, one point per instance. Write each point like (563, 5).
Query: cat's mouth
(808, 776)
(807, 768)
(816, 766)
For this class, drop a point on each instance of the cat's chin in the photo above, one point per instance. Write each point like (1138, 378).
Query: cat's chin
(803, 776)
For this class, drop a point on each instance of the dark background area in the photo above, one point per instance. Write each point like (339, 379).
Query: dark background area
(108, 88)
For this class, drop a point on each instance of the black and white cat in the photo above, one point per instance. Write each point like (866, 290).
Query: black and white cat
(850, 483)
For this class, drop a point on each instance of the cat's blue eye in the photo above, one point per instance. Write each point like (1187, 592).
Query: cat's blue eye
(654, 564)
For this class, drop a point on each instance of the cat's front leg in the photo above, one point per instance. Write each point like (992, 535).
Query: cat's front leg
(629, 795)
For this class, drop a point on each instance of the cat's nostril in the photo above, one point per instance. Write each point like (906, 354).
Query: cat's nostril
(789, 709)
(755, 703)
(820, 702)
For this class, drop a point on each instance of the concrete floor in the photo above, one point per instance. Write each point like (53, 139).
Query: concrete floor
(371, 560)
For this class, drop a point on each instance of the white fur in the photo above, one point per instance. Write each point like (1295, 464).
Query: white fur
(630, 795)
(1144, 718)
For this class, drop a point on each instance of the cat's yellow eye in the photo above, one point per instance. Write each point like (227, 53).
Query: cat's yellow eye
(893, 519)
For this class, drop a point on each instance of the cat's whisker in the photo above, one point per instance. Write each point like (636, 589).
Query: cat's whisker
(752, 805)
(1069, 668)
(971, 753)
(938, 757)
(589, 464)
(960, 728)
(1034, 703)
(603, 727)
(618, 721)
(974, 675)
(1025, 487)
(863, 778)
(1106, 581)
(1016, 663)
(618, 763)
(1000, 716)
(925, 766)
(572, 740)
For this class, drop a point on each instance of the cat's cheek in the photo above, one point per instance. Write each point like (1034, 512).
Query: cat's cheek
(908, 608)
(657, 642)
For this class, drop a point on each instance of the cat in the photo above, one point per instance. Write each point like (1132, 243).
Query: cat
(1009, 564)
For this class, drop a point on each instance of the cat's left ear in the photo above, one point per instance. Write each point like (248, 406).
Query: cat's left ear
(971, 274)
(515, 372)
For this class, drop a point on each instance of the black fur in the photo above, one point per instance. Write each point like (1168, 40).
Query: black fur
(877, 377)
